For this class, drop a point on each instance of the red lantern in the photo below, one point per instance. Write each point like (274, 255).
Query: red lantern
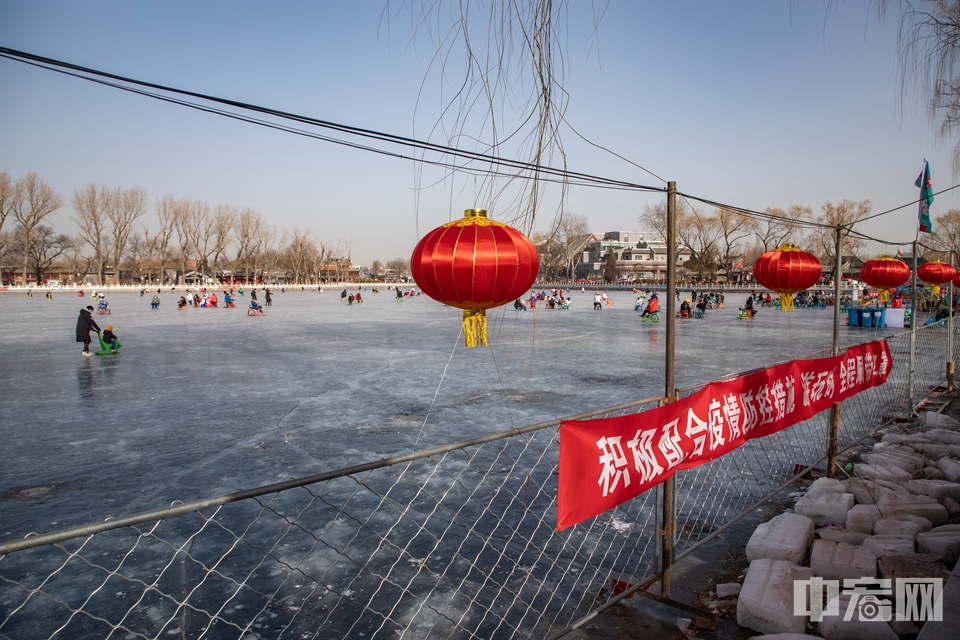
(474, 264)
(884, 273)
(956, 282)
(936, 272)
(786, 271)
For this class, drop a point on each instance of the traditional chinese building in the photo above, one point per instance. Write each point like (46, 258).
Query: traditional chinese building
(640, 255)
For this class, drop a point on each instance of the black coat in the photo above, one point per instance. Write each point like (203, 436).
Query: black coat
(84, 324)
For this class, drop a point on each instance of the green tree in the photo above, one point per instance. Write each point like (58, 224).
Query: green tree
(611, 266)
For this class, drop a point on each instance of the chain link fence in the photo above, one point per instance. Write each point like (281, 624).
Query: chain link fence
(455, 541)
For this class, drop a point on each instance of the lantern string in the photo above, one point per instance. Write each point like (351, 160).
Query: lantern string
(440, 384)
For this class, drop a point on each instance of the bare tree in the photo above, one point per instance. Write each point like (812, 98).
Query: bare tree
(376, 268)
(43, 248)
(319, 260)
(300, 253)
(269, 239)
(654, 217)
(182, 224)
(78, 263)
(136, 254)
(222, 225)
(198, 230)
(7, 244)
(33, 200)
(124, 206)
(160, 242)
(342, 257)
(781, 226)
(6, 197)
(700, 233)
(946, 235)
(929, 61)
(247, 232)
(400, 266)
(567, 233)
(734, 228)
(90, 204)
(844, 214)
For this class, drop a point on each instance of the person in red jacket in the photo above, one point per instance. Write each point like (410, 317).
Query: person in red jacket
(652, 306)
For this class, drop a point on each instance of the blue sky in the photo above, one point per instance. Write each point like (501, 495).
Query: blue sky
(756, 104)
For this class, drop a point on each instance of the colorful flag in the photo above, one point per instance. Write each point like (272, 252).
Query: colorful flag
(926, 197)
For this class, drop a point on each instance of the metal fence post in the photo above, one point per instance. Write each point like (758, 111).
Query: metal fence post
(913, 331)
(950, 365)
(670, 389)
(833, 438)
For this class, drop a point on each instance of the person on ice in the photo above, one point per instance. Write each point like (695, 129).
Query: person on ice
(109, 337)
(652, 306)
(85, 324)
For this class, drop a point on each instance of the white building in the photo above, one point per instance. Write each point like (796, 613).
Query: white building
(641, 255)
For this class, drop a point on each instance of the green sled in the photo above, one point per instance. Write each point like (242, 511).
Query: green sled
(105, 349)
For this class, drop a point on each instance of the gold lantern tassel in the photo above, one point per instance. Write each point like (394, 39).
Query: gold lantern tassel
(786, 302)
(884, 296)
(475, 327)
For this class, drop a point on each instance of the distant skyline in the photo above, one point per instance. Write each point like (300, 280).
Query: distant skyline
(756, 104)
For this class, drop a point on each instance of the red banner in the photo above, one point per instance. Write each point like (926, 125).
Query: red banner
(608, 461)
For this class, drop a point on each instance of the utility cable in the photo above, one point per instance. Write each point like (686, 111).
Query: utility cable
(85, 73)
(904, 206)
(758, 214)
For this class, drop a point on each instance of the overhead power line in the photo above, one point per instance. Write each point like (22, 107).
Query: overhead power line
(465, 159)
(497, 165)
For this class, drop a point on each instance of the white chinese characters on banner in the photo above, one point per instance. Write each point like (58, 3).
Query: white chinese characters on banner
(634, 452)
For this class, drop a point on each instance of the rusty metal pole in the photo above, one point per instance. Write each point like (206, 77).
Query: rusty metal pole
(950, 364)
(913, 332)
(670, 388)
(833, 441)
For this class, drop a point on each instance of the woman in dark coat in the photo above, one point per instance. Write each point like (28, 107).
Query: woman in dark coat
(84, 324)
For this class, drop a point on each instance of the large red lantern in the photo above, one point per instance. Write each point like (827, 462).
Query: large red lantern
(474, 264)
(884, 274)
(936, 272)
(786, 271)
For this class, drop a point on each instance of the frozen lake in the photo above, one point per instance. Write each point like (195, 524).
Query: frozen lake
(208, 401)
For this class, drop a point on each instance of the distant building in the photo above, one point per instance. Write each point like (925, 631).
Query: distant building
(641, 255)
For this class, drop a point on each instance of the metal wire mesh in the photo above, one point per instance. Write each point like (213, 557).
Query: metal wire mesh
(458, 541)
(712, 495)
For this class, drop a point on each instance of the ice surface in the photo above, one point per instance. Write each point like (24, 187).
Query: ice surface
(207, 401)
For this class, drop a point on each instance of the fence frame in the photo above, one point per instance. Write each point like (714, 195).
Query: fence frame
(665, 511)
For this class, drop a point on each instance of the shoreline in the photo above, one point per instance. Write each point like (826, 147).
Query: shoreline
(388, 285)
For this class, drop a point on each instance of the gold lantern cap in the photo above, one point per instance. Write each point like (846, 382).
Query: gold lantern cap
(475, 213)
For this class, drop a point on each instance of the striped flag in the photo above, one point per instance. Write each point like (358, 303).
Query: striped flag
(926, 197)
